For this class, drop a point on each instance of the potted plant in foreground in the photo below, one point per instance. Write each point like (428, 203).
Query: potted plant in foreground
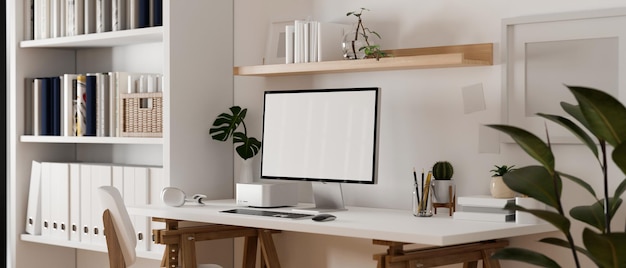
(225, 126)
(497, 187)
(605, 118)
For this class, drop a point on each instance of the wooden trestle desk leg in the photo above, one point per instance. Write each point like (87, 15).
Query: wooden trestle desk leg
(268, 251)
(468, 254)
(170, 256)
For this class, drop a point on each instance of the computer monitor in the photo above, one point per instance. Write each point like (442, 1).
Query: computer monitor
(327, 136)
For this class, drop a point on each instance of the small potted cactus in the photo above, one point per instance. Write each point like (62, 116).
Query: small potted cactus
(442, 172)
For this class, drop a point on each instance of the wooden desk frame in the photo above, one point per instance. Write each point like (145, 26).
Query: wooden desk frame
(468, 254)
(180, 241)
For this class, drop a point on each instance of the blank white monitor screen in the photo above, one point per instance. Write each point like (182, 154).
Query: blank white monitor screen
(325, 135)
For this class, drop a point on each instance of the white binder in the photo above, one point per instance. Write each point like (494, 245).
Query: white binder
(59, 200)
(85, 204)
(75, 202)
(46, 214)
(33, 212)
(135, 193)
(100, 176)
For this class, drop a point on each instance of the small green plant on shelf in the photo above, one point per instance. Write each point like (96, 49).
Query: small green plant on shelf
(352, 43)
(225, 126)
(499, 171)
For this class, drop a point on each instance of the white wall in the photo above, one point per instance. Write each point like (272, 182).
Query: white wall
(422, 115)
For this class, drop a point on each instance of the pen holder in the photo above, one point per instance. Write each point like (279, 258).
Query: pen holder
(422, 207)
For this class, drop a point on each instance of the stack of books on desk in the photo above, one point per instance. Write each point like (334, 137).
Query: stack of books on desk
(484, 208)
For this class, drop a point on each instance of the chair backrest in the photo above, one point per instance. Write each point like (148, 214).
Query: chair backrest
(111, 199)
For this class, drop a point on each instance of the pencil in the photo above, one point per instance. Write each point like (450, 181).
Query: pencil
(422, 180)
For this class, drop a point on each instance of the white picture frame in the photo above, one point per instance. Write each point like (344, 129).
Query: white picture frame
(275, 51)
(547, 52)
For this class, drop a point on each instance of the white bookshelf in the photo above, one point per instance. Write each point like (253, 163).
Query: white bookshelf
(198, 85)
(90, 140)
(107, 39)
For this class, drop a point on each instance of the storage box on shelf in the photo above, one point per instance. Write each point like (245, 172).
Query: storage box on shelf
(142, 114)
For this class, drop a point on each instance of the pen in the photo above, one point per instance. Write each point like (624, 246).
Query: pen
(417, 193)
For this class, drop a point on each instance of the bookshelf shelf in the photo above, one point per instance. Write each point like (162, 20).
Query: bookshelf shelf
(414, 58)
(90, 140)
(107, 39)
(78, 245)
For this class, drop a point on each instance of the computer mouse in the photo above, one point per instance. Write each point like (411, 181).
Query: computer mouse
(324, 217)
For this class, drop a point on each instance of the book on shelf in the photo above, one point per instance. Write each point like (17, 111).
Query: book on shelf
(314, 41)
(91, 110)
(484, 201)
(55, 106)
(143, 13)
(75, 17)
(41, 16)
(157, 13)
(89, 16)
(118, 15)
(81, 104)
(45, 106)
(481, 216)
(68, 127)
(103, 16)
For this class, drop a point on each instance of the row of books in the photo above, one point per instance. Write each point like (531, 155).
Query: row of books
(82, 104)
(484, 208)
(58, 18)
(314, 41)
(63, 202)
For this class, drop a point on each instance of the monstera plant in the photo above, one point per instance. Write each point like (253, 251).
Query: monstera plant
(605, 118)
(226, 125)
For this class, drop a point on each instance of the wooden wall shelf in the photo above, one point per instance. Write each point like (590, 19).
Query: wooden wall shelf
(413, 58)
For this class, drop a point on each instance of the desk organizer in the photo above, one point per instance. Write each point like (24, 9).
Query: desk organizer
(141, 115)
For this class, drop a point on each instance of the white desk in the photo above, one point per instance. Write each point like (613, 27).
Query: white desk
(369, 223)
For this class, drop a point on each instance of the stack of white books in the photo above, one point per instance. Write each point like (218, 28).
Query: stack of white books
(484, 208)
(314, 41)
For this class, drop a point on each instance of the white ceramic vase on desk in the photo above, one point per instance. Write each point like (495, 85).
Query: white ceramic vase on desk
(245, 171)
(499, 189)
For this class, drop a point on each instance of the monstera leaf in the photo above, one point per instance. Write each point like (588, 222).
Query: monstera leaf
(225, 126)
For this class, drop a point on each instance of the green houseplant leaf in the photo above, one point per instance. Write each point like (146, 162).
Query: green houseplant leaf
(535, 182)
(225, 126)
(606, 249)
(575, 129)
(594, 214)
(604, 114)
(619, 156)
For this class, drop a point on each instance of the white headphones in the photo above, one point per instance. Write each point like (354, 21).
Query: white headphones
(175, 197)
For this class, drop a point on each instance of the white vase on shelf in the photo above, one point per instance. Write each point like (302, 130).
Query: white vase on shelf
(245, 171)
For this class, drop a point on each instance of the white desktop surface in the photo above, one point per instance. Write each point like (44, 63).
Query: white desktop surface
(359, 222)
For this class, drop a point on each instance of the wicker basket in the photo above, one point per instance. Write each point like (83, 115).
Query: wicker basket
(141, 115)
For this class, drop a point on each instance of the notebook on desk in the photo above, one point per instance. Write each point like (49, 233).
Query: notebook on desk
(268, 213)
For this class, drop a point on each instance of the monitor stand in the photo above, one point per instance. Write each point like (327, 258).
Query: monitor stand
(327, 197)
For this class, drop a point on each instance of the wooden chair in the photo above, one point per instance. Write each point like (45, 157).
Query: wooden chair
(120, 233)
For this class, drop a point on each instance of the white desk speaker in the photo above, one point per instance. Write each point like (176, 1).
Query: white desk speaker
(259, 194)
